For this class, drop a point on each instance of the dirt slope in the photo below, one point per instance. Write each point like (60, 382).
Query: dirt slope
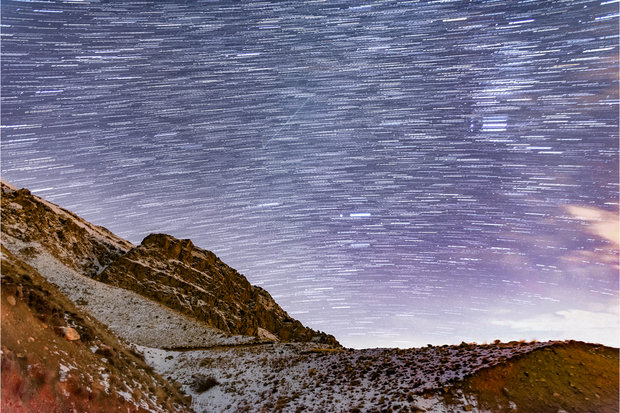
(571, 377)
(44, 371)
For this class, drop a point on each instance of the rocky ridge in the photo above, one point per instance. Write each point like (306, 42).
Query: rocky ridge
(196, 282)
(72, 240)
(172, 272)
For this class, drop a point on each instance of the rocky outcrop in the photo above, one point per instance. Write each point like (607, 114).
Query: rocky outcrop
(75, 242)
(172, 272)
(194, 281)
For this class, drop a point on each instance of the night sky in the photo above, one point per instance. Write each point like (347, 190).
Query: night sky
(395, 173)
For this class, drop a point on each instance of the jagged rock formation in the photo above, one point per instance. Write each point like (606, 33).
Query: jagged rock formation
(172, 272)
(72, 240)
(196, 282)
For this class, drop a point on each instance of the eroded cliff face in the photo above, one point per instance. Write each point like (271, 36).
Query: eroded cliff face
(194, 281)
(162, 268)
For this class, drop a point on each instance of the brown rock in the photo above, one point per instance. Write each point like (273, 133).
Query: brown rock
(105, 351)
(266, 335)
(11, 300)
(70, 334)
(194, 281)
(67, 237)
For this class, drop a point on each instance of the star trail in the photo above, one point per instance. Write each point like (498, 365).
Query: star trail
(395, 173)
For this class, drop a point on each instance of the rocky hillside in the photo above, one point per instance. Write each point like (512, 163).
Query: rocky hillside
(499, 377)
(172, 272)
(572, 377)
(56, 358)
(194, 281)
(168, 309)
(72, 240)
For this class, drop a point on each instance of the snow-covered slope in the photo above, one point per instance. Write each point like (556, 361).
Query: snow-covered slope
(130, 315)
(498, 377)
(311, 378)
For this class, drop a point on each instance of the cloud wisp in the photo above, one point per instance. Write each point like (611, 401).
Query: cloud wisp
(602, 223)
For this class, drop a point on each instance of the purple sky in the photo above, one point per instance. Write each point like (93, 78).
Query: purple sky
(393, 173)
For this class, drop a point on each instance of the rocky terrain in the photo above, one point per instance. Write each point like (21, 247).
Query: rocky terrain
(78, 244)
(195, 282)
(498, 377)
(57, 358)
(172, 272)
(93, 323)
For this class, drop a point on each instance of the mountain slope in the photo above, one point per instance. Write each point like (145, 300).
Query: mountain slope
(572, 377)
(72, 240)
(164, 269)
(194, 281)
(499, 377)
(180, 305)
(43, 371)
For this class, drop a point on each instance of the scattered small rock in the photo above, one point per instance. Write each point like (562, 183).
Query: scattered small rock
(11, 300)
(468, 408)
(31, 339)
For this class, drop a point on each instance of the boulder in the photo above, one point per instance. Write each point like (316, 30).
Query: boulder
(70, 333)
